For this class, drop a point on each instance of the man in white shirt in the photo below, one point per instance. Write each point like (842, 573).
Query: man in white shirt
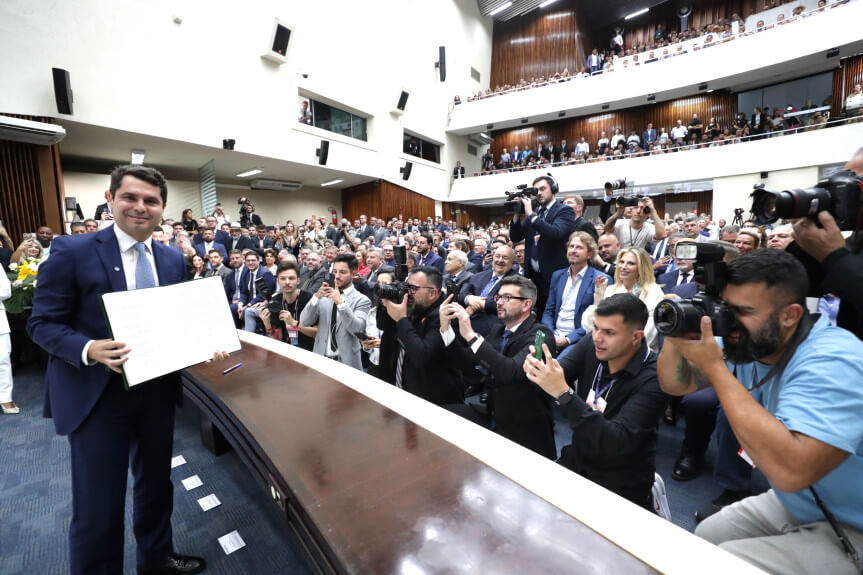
(636, 232)
(679, 132)
(602, 143)
(582, 148)
(854, 101)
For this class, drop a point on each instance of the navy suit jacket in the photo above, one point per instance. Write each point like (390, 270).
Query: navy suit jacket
(668, 281)
(243, 243)
(221, 237)
(583, 300)
(648, 136)
(483, 321)
(433, 259)
(246, 283)
(67, 313)
(554, 231)
(216, 246)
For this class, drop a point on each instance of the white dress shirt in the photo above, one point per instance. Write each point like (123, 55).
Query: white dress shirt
(566, 315)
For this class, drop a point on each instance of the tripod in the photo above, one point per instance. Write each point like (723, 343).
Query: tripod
(738, 218)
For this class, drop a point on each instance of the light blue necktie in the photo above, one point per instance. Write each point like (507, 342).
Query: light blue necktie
(143, 270)
(489, 286)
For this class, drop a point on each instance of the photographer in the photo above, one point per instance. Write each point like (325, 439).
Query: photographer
(248, 217)
(840, 259)
(545, 234)
(413, 356)
(636, 232)
(783, 383)
(281, 317)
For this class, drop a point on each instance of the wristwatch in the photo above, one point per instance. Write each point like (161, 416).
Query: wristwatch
(564, 398)
(472, 340)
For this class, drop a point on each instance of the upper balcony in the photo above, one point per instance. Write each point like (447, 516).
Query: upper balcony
(804, 46)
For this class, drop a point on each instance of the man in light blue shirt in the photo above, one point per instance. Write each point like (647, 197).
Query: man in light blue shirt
(791, 387)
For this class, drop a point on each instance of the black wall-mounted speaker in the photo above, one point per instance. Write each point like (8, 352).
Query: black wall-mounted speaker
(406, 171)
(403, 101)
(323, 152)
(441, 63)
(62, 90)
(228, 144)
(281, 38)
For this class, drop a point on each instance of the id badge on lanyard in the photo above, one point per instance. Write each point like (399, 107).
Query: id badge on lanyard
(293, 335)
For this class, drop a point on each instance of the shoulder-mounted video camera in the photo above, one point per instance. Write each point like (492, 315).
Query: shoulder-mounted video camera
(513, 206)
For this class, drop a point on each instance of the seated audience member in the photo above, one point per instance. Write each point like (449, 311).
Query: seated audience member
(476, 256)
(78, 228)
(456, 272)
(219, 236)
(339, 312)
(780, 236)
(251, 298)
(427, 255)
(231, 282)
(314, 274)
(636, 232)
(606, 254)
(209, 243)
(748, 240)
(477, 295)
(571, 292)
(217, 265)
(729, 233)
(520, 411)
(92, 226)
(198, 269)
(290, 302)
(783, 384)
(238, 241)
(633, 274)
(413, 356)
(615, 407)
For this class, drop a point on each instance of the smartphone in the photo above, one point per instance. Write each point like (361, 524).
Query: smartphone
(364, 336)
(330, 279)
(537, 344)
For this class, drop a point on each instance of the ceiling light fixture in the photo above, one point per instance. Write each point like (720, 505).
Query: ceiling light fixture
(500, 9)
(638, 13)
(252, 172)
(137, 157)
(332, 182)
(546, 3)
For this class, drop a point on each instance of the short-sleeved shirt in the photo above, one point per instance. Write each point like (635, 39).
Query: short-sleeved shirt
(630, 237)
(820, 394)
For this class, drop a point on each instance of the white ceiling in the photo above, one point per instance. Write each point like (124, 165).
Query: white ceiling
(94, 148)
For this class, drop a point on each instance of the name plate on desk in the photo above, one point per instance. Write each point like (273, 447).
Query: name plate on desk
(140, 319)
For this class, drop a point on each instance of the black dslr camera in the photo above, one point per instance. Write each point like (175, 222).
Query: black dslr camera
(677, 318)
(395, 292)
(244, 204)
(631, 201)
(839, 195)
(513, 206)
(261, 288)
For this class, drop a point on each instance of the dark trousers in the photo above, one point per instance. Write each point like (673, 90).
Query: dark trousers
(542, 288)
(136, 428)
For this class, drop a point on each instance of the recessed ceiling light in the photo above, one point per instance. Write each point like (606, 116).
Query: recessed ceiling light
(500, 9)
(546, 3)
(137, 157)
(252, 172)
(638, 13)
(332, 182)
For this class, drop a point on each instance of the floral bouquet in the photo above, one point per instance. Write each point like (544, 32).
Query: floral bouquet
(23, 278)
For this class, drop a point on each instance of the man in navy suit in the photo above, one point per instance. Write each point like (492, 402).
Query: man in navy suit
(109, 427)
(648, 137)
(427, 254)
(219, 236)
(477, 295)
(681, 280)
(545, 233)
(208, 243)
(237, 241)
(572, 291)
(252, 300)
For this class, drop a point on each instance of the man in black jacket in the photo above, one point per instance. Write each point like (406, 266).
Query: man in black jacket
(413, 356)
(614, 412)
(521, 411)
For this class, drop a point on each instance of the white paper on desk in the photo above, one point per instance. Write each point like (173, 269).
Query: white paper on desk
(137, 318)
(192, 482)
(209, 502)
(177, 461)
(231, 542)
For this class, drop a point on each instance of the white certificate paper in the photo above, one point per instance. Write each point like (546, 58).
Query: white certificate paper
(209, 502)
(231, 542)
(139, 318)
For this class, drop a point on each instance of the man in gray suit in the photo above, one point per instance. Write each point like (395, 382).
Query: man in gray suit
(340, 312)
(381, 232)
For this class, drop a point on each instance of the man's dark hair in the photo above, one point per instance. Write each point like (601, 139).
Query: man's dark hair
(433, 275)
(88, 220)
(260, 227)
(632, 309)
(251, 253)
(155, 229)
(74, 225)
(285, 266)
(548, 181)
(526, 287)
(427, 237)
(150, 175)
(349, 259)
(777, 269)
(235, 251)
(214, 251)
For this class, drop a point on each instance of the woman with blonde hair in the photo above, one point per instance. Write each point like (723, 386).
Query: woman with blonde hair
(316, 236)
(633, 274)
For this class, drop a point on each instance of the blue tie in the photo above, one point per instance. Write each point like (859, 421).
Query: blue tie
(143, 270)
(488, 286)
(503, 339)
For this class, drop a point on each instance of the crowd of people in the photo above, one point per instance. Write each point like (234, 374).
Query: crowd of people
(666, 44)
(548, 311)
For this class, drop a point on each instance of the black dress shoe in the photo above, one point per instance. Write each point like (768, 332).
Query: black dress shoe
(174, 563)
(687, 467)
(726, 498)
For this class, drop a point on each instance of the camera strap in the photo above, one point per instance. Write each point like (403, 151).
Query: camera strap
(850, 551)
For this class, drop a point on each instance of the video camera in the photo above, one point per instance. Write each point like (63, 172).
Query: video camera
(513, 206)
(839, 195)
(245, 210)
(677, 318)
(395, 292)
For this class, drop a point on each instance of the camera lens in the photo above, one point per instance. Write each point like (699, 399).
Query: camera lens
(677, 318)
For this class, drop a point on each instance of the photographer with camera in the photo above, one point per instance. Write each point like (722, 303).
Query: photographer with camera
(635, 232)
(545, 233)
(248, 217)
(281, 317)
(257, 286)
(783, 383)
(413, 356)
(841, 272)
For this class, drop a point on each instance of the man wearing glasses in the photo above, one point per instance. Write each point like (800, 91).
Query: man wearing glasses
(413, 357)
(520, 410)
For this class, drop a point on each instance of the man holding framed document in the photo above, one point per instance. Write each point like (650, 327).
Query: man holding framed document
(111, 427)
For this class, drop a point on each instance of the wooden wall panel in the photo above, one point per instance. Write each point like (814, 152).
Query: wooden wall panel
(539, 44)
(384, 199)
(31, 187)
(844, 78)
(467, 214)
(721, 105)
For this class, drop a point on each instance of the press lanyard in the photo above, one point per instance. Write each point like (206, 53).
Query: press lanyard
(597, 392)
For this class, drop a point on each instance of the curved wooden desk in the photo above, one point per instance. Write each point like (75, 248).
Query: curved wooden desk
(367, 490)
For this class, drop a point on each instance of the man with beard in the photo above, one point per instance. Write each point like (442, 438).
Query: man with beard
(789, 388)
(45, 235)
(413, 356)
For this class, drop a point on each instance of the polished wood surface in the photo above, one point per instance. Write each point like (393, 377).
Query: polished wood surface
(31, 186)
(385, 199)
(721, 105)
(849, 73)
(368, 491)
(467, 214)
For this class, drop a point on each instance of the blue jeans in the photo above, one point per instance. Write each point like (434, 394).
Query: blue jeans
(250, 315)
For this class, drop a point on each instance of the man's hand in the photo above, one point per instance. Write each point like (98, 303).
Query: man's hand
(264, 316)
(217, 355)
(599, 285)
(445, 315)
(108, 352)
(459, 313)
(818, 242)
(648, 203)
(528, 206)
(560, 342)
(661, 262)
(323, 291)
(371, 343)
(474, 303)
(240, 309)
(395, 310)
(704, 354)
(286, 317)
(549, 375)
(335, 295)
